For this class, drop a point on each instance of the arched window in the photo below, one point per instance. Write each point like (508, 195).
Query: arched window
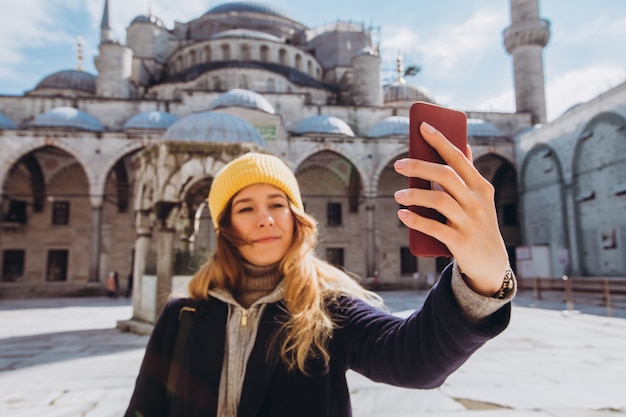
(309, 68)
(298, 62)
(265, 53)
(192, 59)
(245, 52)
(207, 53)
(282, 57)
(225, 52)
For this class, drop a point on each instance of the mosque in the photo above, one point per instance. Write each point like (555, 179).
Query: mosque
(110, 172)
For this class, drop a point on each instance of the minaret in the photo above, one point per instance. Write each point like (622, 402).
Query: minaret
(114, 63)
(106, 34)
(525, 40)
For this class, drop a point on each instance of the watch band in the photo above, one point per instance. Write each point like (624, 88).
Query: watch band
(507, 285)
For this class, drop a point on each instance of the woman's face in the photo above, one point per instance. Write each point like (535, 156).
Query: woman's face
(261, 217)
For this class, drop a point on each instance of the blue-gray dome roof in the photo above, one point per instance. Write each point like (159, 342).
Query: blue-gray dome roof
(391, 126)
(214, 127)
(148, 19)
(247, 34)
(68, 117)
(399, 91)
(482, 128)
(70, 80)
(238, 97)
(244, 6)
(6, 123)
(151, 120)
(323, 124)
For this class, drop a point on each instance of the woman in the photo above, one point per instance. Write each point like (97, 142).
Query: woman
(275, 328)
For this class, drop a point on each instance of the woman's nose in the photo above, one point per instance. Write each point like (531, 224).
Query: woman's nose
(265, 219)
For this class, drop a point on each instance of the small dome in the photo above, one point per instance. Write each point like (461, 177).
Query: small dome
(391, 126)
(151, 19)
(70, 80)
(151, 120)
(6, 123)
(247, 34)
(482, 128)
(399, 91)
(323, 124)
(214, 127)
(68, 117)
(246, 7)
(239, 97)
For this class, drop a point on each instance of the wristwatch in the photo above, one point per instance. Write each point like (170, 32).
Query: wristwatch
(507, 285)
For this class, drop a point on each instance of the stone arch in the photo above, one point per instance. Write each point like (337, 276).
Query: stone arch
(542, 192)
(598, 173)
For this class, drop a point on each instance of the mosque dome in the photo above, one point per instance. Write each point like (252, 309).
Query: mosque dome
(6, 123)
(390, 126)
(239, 97)
(247, 34)
(401, 91)
(482, 128)
(70, 80)
(323, 124)
(246, 7)
(211, 126)
(151, 19)
(68, 117)
(151, 120)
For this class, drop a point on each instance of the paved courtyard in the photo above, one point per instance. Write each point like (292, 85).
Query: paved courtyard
(65, 358)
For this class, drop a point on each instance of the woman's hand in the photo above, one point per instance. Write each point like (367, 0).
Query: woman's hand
(471, 233)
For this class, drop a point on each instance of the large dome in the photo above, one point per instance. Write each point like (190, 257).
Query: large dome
(239, 97)
(6, 123)
(323, 124)
(391, 126)
(68, 117)
(482, 128)
(214, 127)
(70, 80)
(246, 7)
(399, 91)
(151, 120)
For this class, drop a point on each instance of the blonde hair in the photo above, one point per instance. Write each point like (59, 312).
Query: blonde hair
(310, 284)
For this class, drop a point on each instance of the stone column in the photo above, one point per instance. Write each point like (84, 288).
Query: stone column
(164, 266)
(370, 251)
(96, 241)
(142, 247)
(571, 225)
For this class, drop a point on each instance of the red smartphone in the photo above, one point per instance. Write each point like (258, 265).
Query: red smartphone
(453, 124)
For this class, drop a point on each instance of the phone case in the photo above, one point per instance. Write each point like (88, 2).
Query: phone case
(453, 124)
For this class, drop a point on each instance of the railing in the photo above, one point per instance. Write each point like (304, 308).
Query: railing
(610, 290)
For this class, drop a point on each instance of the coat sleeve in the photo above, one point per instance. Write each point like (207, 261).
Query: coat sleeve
(149, 398)
(420, 351)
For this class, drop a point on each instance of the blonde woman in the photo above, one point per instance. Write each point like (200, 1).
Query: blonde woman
(275, 328)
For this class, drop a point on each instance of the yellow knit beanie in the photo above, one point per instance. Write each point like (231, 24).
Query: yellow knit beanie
(248, 169)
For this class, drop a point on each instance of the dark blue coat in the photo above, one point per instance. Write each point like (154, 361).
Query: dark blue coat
(420, 351)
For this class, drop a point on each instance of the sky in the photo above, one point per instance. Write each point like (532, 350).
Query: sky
(457, 43)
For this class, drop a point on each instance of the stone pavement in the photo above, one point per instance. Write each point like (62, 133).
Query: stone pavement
(65, 358)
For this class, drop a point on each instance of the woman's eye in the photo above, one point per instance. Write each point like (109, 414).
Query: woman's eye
(244, 209)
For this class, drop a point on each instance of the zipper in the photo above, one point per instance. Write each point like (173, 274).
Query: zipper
(244, 318)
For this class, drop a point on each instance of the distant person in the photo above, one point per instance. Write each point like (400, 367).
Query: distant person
(113, 284)
(275, 328)
(129, 284)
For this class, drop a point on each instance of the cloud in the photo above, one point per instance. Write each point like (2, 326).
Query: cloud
(583, 84)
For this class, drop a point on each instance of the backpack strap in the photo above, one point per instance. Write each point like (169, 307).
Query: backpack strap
(186, 315)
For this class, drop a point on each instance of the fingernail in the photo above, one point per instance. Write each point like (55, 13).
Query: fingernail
(403, 214)
(428, 128)
(399, 194)
(400, 163)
